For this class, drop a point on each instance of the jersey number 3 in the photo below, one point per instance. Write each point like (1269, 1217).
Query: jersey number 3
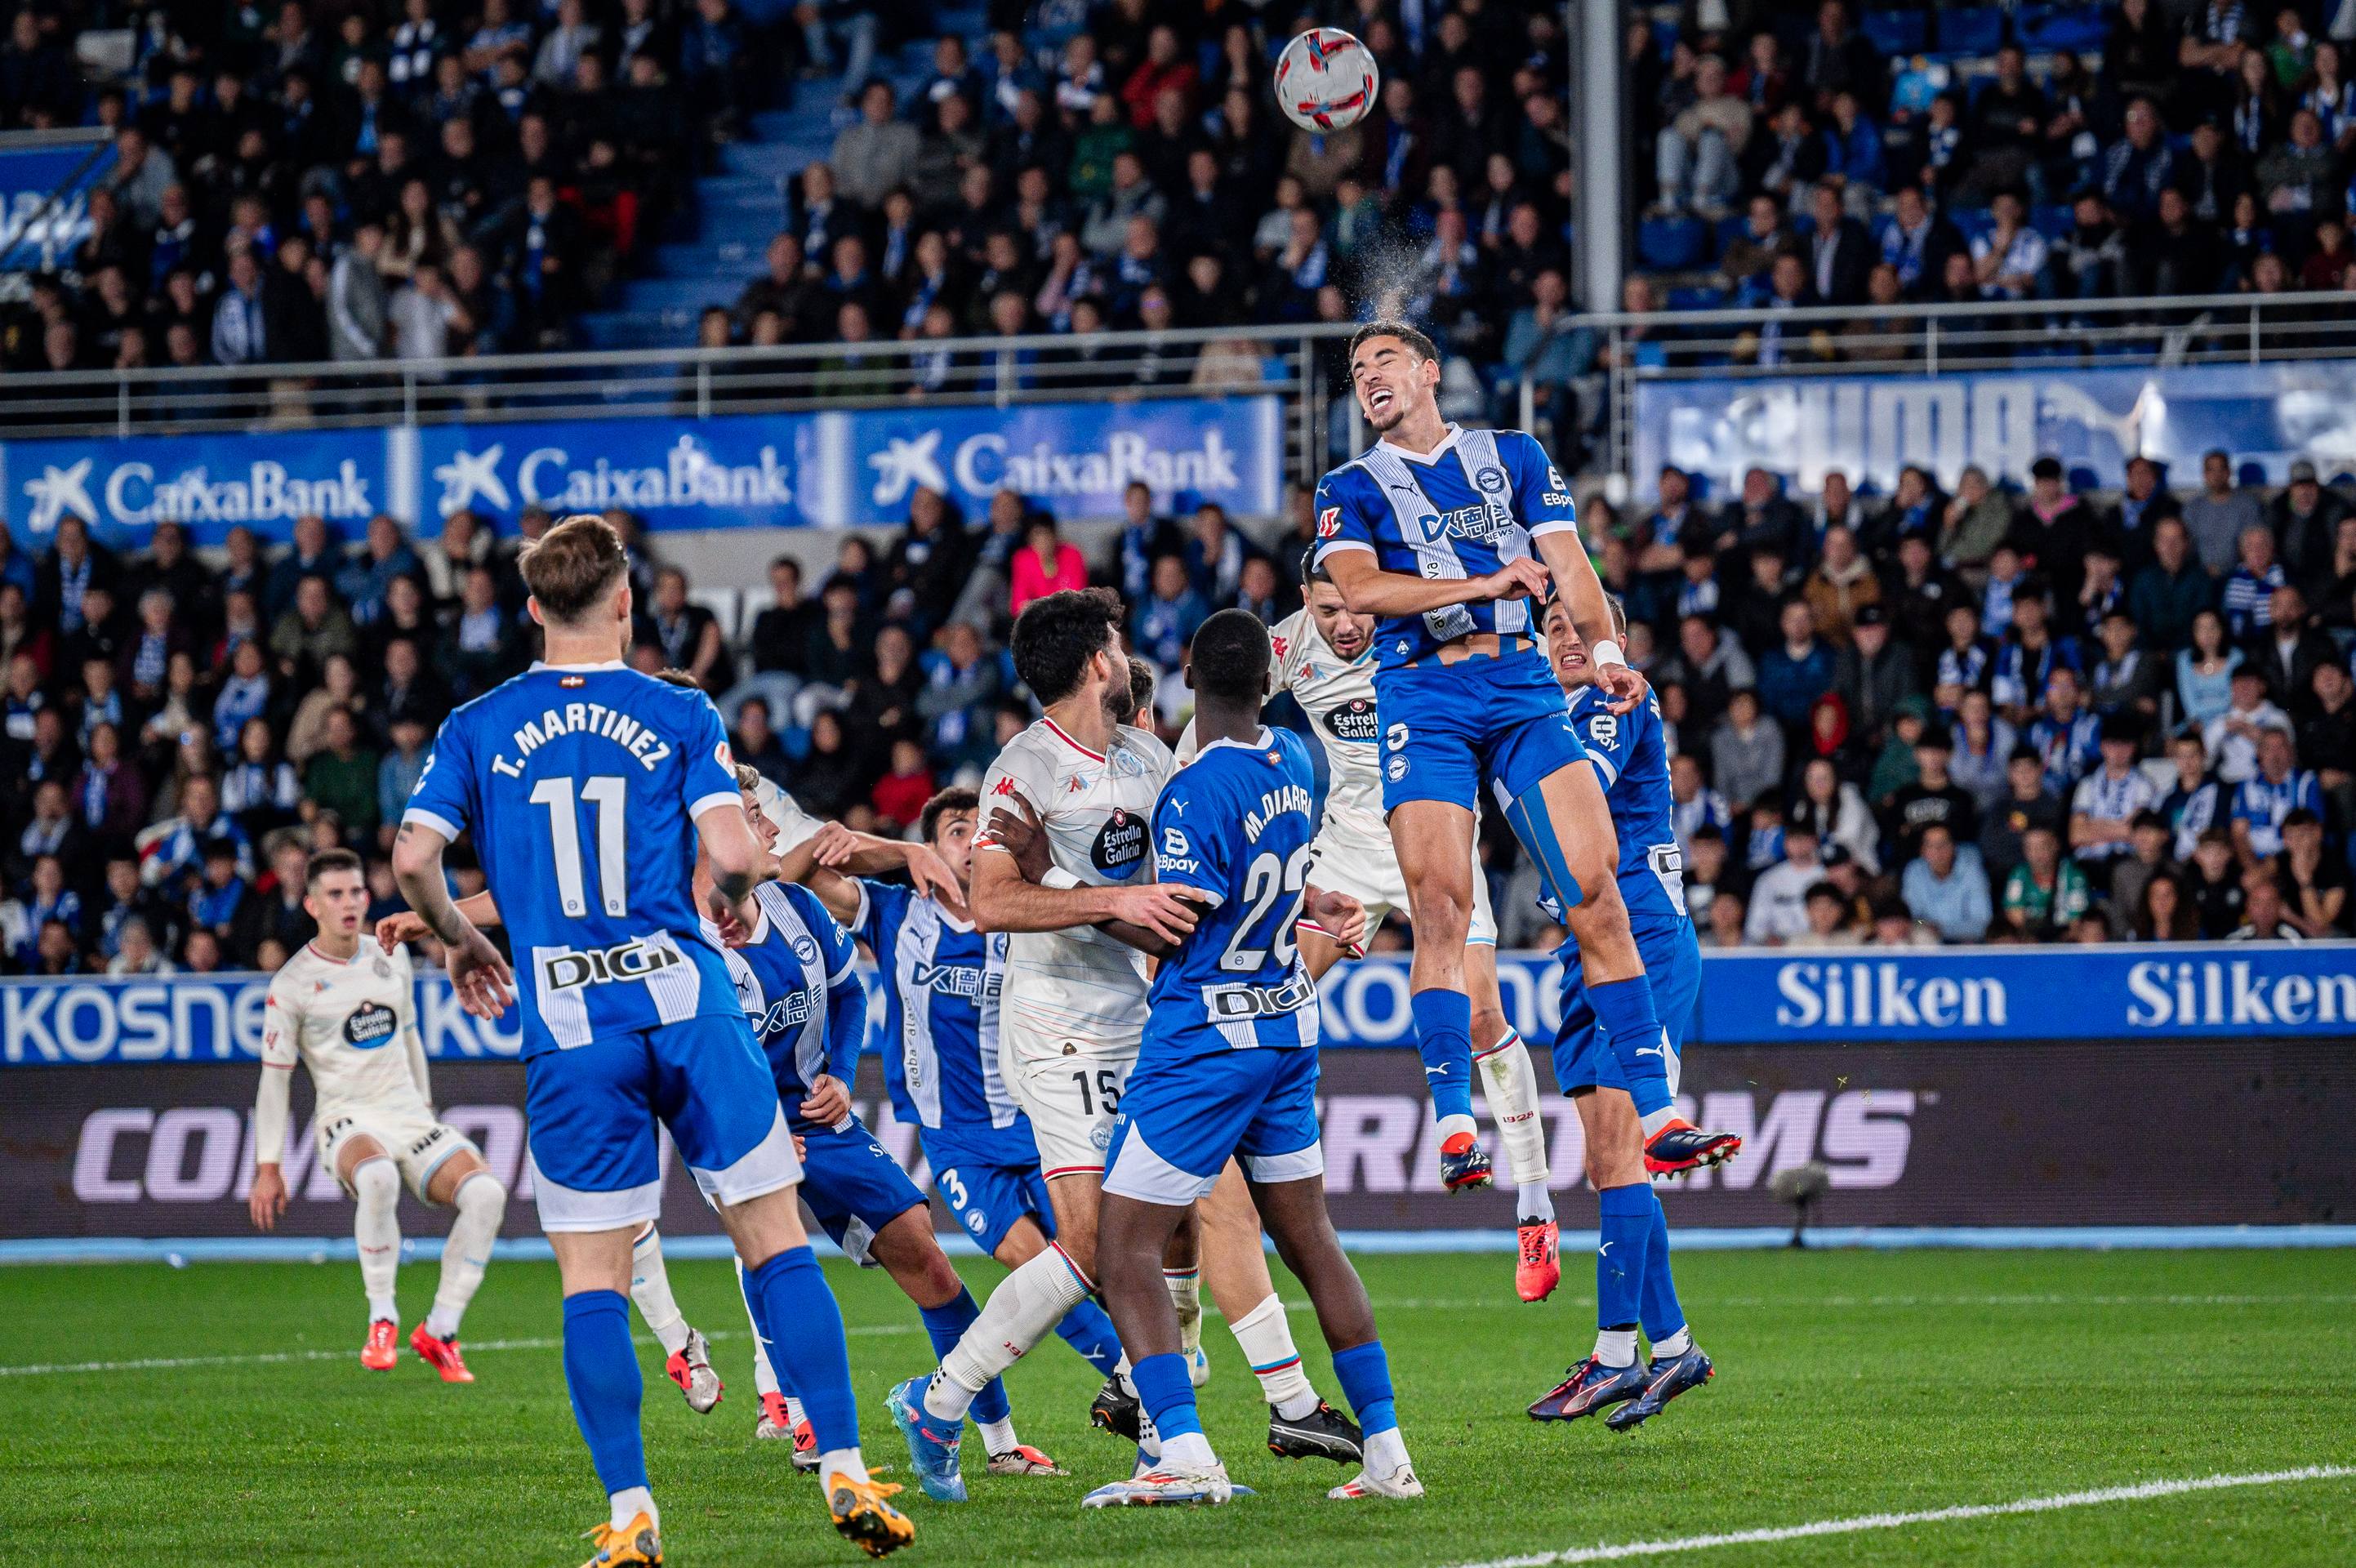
(605, 793)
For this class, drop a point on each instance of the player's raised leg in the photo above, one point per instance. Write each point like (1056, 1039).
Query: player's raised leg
(687, 1358)
(479, 1204)
(1085, 1328)
(1301, 1425)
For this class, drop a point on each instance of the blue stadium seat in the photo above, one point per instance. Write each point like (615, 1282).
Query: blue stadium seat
(2052, 222)
(1729, 230)
(2083, 478)
(2043, 29)
(1672, 245)
(1897, 32)
(1974, 30)
(1972, 222)
(2250, 476)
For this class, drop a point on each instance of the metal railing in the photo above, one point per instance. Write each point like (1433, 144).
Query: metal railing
(1292, 361)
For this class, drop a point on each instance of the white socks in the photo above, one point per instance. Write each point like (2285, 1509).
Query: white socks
(1513, 1088)
(1022, 1311)
(1185, 1286)
(376, 1226)
(1265, 1339)
(1658, 1119)
(1188, 1451)
(840, 1462)
(629, 1503)
(481, 1203)
(1386, 1451)
(1676, 1344)
(650, 1289)
(1534, 1200)
(793, 1406)
(1616, 1347)
(998, 1437)
(1452, 1125)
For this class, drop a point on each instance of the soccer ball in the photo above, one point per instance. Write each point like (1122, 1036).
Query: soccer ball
(1325, 80)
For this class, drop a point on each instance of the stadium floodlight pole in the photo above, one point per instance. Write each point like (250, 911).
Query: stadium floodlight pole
(1597, 108)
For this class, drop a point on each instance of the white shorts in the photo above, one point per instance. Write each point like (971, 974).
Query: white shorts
(1343, 862)
(418, 1143)
(1069, 1085)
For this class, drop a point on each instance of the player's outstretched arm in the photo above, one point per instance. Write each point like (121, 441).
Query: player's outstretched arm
(823, 863)
(1026, 844)
(1583, 594)
(475, 969)
(1005, 900)
(738, 862)
(409, 926)
(1338, 915)
(1367, 589)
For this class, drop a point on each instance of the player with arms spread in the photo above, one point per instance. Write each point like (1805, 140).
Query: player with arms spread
(1325, 660)
(1228, 1071)
(1633, 1279)
(588, 788)
(1440, 532)
(347, 1009)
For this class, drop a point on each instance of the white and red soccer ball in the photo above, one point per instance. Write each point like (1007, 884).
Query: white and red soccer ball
(1325, 80)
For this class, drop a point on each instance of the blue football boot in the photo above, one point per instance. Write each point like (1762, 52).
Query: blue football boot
(932, 1443)
(1464, 1164)
(1591, 1387)
(1664, 1380)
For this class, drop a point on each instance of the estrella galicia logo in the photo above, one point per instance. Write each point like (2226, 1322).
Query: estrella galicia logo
(1354, 721)
(1396, 737)
(1492, 479)
(371, 1024)
(1120, 846)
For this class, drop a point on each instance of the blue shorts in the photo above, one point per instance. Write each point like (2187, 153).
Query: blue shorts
(1450, 730)
(1184, 1115)
(593, 1111)
(1583, 1058)
(853, 1186)
(990, 1178)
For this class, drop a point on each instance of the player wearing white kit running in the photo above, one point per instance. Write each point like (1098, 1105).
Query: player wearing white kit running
(346, 1009)
(1325, 660)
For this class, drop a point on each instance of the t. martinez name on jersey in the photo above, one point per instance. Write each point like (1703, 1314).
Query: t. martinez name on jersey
(646, 747)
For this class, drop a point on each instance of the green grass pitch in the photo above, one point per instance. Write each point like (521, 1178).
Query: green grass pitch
(1849, 1384)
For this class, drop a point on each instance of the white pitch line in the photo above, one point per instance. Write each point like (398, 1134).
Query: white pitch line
(281, 1358)
(2142, 1491)
(1466, 1303)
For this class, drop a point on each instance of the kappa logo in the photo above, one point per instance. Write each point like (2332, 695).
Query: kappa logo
(1003, 786)
(58, 493)
(903, 466)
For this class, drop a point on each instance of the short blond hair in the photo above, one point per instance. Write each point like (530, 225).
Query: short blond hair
(572, 566)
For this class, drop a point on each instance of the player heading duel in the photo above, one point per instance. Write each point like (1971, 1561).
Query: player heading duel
(587, 787)
(1432, 531)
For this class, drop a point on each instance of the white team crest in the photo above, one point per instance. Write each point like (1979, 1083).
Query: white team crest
(903, 465)
(59, 492)
(1492, 479)
(471, 476)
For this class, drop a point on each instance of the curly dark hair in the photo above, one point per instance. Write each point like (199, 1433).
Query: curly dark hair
(1057, 636)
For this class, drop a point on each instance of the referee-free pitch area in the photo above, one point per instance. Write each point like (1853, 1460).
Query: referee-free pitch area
(2138, 1407)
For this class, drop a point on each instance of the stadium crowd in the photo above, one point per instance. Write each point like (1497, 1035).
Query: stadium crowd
(2026, 717)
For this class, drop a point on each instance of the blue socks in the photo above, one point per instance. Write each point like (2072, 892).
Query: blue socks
(945, 1324)
(1365, 1374)
(1624, 1008)
(1629, 1215)
(1088, 1330)
(1167, 1392)
(798, 1314)
(1662, 1315)
(601, 1374)
(1443, 1037)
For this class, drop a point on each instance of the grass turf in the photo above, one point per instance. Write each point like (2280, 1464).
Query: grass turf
(1849, 1384)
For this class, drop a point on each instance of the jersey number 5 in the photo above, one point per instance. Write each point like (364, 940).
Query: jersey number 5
(605, 793)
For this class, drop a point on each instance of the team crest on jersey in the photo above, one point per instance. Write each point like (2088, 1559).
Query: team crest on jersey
(383, 969)
(1120, 846)
(1396, 769)
(1127, 764)
(1492, 480)
(1353, 720)
(370, 1024)
(806, 950)
(1329, 522)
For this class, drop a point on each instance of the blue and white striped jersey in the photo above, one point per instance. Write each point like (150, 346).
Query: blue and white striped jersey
(581, 785)
(1631, 761)
(793, 978)
(2262, 805)
(1234, 826)
(939, 975)
(1462, 511)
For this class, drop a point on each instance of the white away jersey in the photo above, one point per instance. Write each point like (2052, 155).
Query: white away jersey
(354, 1026)
(794, 826)
(1095, 810)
